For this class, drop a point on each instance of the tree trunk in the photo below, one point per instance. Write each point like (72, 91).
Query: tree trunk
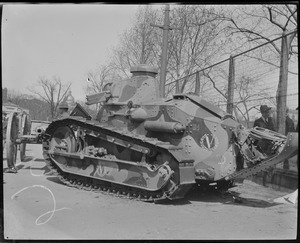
(282, 85)
(230, 86)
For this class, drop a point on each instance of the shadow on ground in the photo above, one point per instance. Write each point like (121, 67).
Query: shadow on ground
(27, 159)
(28, 167)
(224, 197)
(39, 160)
(30, 158)
(229, 197)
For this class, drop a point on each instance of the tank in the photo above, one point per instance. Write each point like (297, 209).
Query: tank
(149, 148)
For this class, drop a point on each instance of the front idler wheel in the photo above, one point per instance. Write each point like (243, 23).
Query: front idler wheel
(63, 140)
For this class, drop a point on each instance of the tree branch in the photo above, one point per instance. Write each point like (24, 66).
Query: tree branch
(214, 85)
(292, 12)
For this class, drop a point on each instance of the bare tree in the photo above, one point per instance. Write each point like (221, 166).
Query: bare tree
(251, 25)
(53, 92)
(140, 44)
(261, 23)
(249, 98)
(98, 77)
(193, 41)
(193, 45)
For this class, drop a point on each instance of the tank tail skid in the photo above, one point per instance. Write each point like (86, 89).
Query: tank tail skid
(288, 150)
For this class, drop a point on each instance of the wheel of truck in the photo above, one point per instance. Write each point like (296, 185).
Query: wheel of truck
(25, 124)
(11, 136)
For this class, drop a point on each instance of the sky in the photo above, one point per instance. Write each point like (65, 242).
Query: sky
(62, 40)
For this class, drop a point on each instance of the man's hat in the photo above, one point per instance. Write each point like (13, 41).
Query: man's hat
(264, 108)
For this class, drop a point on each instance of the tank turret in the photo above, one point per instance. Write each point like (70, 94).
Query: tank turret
(120, 96)
(141, 87)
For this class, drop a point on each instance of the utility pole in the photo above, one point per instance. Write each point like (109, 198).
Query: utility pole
(230, 86)
(164, 55)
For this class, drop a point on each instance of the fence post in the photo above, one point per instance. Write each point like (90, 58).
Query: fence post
(197, 84)
(281, 95)
(230, 92)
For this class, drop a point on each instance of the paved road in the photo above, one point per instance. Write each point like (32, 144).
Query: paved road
(37, 206)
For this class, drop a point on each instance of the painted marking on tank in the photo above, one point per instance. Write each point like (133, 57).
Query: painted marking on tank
(209, 142)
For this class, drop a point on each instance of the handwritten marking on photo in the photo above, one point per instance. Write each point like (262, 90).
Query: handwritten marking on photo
(51, 212)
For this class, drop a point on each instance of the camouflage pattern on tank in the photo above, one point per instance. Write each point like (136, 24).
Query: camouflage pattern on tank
(153, 148)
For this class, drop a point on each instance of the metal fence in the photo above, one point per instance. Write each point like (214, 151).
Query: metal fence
(255, 75)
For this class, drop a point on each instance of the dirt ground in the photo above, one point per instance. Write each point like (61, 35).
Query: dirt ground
(40, 207)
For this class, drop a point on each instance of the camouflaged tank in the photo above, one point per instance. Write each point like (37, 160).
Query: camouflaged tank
(149, 148)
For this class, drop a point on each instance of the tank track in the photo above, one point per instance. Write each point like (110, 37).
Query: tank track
(97, 185)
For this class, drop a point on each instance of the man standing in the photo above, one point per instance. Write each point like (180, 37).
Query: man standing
(289, 124)
(266, 120)
(289, 127)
